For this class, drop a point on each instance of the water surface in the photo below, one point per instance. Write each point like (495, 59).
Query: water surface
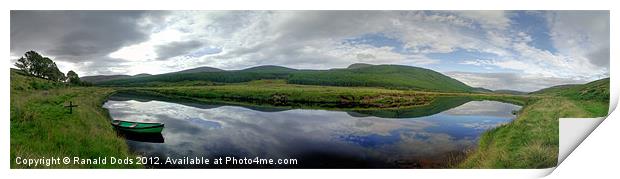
(316, 138)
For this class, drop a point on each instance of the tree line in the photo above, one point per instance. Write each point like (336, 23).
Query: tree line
(37, 65)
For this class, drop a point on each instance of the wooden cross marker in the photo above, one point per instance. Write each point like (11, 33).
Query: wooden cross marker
(71, 106)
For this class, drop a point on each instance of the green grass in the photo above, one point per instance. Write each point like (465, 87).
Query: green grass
(41, 127)
(592, 97)
(281, 93)
(278, 93)
(532, 140)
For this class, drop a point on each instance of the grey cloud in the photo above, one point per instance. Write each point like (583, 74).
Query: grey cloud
(363, 56)
(510, 81)
(327, 24)
(587, 31)
(290, 55)
(174, 49)
(101, 66)
(77, 36)
(290, 31)
(600, 57)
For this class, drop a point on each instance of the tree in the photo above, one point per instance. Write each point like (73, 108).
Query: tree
(35, 64)
(30, 63)
(73, 78)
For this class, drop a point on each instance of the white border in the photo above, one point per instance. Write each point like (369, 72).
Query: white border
(596, 155)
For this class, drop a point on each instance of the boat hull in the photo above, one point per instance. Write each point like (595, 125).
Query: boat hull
(138, 127)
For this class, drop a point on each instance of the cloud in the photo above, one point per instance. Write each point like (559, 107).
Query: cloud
(78, 36)
(75, 34)
(512, 81)
(121, 42)
(599, 57)
(488, 19)
(174, 49)
(581, 33)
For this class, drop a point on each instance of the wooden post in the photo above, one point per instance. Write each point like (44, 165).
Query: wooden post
(71, 106)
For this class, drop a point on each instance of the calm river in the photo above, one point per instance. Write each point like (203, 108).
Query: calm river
(429, 137)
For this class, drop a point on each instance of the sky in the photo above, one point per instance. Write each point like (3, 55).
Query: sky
(517, 50)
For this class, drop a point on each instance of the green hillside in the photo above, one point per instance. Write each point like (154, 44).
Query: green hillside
(358, 65)
(554, 89)
(217, 77)
(592, 97)
(200, 69)
(597, 90)
(387, 76)
(104, 78)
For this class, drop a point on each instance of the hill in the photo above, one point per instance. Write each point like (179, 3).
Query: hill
(22, 81)
(510, 92)
(141, 75)
(358, 65)
(200, 69)
(269, 69)
(482, 90)
(554, 89)
(596, 90)
(387, 76)
(592, 97)
(103, 78)
(199, 78)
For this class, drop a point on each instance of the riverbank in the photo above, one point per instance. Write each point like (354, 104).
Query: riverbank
(279, 93)
(532, 139)
(42, 128)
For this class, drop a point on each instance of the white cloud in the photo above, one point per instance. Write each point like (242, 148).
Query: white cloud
(488, 19)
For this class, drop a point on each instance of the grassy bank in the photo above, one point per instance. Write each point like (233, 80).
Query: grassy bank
(531, 140)
(280, 93)
(42, 127)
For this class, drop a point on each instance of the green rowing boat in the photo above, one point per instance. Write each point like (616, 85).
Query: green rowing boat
(138, 127)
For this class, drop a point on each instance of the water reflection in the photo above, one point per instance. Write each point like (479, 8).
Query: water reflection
(317, 138)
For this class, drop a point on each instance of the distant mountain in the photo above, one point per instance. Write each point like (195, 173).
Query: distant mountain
(482, 90)
(387, 76)
(102, 78)
(269, 68)
(141, 75)
(514, 92)
(200, 69)
(358, 65)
